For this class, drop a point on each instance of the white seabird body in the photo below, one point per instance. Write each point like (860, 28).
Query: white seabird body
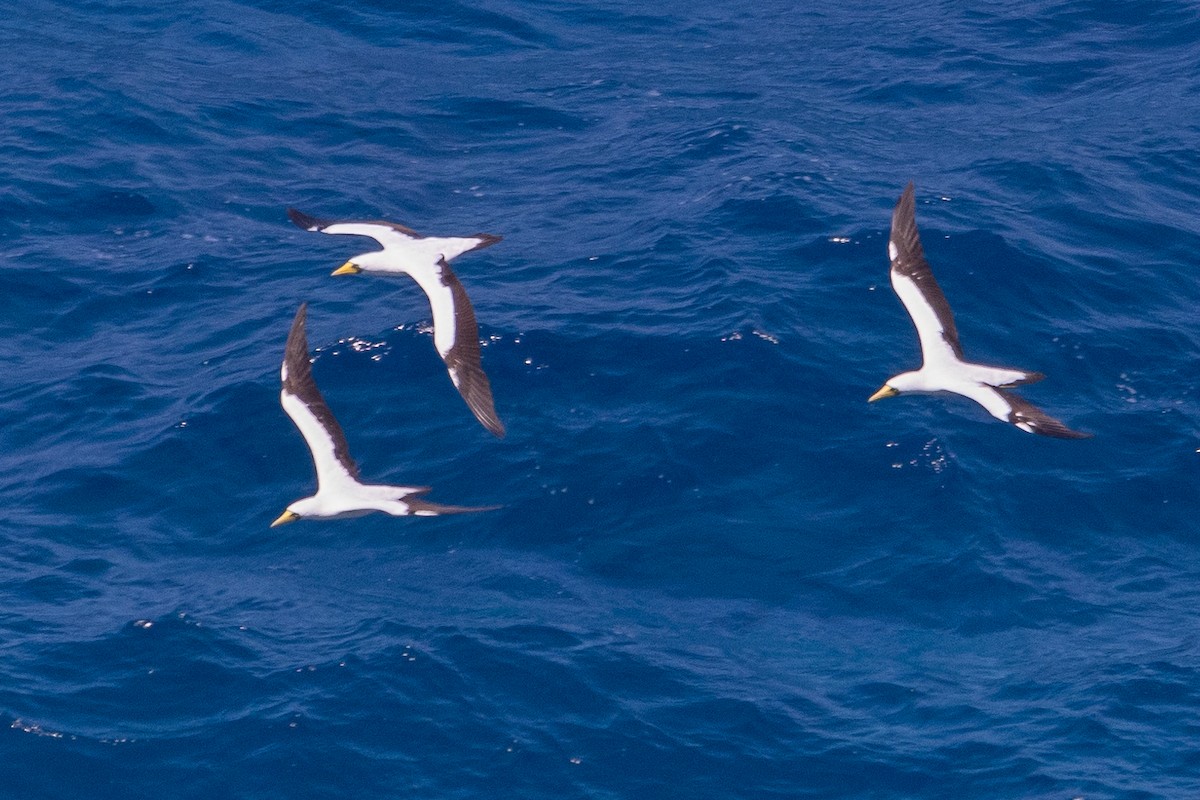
(426, 259)
(339, 493)
(943, 368)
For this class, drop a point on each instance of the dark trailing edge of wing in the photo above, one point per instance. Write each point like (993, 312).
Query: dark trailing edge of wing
(310, 223)
(300, 384)
(464, 359)
(910, 262)
(1041, 422)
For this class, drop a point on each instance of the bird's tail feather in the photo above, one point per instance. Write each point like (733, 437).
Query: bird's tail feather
(1001, 377)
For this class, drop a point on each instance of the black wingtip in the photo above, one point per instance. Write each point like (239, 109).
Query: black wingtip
(479, 400)
(904, 236)
(302, 220)
(296, 349)
(1063, 433)
(298, 320)
(907, 202)
(477, 392)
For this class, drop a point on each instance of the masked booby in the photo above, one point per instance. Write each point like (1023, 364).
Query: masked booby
(426, 259)
(944, 368)
(340, 493)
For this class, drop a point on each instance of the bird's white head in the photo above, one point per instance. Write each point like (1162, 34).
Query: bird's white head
(297, 510)
(367, 262)
(897, 384)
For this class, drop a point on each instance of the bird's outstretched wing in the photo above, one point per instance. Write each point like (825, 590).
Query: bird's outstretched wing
(914, 283)
(302, 401)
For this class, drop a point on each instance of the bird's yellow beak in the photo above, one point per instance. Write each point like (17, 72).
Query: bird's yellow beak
(285, 518)
(347, 269)
(884, 391)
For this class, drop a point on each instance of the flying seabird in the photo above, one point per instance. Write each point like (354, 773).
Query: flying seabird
(340, 493)
(944, 369)
(426, 259)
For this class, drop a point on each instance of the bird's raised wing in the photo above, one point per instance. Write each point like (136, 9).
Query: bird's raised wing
(302, 401)
(914, 283)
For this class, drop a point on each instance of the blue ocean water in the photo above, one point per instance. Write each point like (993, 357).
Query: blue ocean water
(718, 572)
